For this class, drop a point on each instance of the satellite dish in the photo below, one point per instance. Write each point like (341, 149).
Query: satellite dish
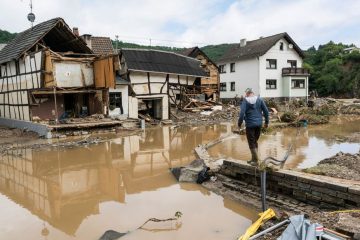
(31, 17)
(291, 46)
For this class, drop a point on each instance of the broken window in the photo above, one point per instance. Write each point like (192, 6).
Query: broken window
(115, 101)
(298, 83)
(270, 83)
(222, 87)
(271, 63)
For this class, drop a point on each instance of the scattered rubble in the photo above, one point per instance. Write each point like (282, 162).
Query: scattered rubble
(342, 165)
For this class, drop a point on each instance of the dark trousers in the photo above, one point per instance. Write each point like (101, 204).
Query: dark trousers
(252, 135)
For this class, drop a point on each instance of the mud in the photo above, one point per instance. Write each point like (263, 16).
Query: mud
(342, 165)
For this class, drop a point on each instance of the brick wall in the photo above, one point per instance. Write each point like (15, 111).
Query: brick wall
(322, 191)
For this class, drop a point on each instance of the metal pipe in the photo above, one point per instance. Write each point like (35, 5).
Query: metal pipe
(280, 224)
(263, 190)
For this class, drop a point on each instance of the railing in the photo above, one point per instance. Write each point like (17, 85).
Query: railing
(295, 71)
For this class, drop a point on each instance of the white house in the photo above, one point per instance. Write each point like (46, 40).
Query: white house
(272, 66)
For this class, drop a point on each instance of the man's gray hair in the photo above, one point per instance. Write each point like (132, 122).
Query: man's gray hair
(249, 90)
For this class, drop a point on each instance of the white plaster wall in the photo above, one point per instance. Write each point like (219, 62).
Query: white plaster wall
(246, 75)
(133, 107)
(281, 57)
(73, 74)
(299, 92)
(124, 98)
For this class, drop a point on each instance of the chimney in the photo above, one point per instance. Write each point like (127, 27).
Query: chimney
(243, 42)
(76, 31)
(87, 39)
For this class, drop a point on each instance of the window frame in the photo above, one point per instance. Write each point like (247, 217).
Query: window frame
(281, 46)
(232, 67)
(298, 80)
(291, 62)
(222, 68)
(270, 88)
(223, 87)
(232, 86)
(270, 65)
(113, 98)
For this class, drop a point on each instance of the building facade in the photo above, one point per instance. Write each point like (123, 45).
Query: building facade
(272, 66)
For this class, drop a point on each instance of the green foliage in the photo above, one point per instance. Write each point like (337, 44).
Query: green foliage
(5, 36)
(333, 71)
(214, 52)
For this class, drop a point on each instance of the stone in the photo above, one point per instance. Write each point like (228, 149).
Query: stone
(349, 222)
(190, 172)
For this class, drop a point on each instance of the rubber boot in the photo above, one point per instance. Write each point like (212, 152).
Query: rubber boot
(254, 157)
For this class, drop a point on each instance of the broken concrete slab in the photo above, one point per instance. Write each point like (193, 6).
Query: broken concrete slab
(190, 172)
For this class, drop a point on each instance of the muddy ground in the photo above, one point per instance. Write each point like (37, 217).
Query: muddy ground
(342, 165)
(343, 222)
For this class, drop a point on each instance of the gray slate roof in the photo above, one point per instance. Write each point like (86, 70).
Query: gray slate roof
(256, 48)
(161, 61)
(54, 33)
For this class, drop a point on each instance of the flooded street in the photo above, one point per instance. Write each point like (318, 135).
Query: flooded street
(81, 192)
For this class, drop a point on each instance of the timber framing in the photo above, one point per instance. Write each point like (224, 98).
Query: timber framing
(44, 65)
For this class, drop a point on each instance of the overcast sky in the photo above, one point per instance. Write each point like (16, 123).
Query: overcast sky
(196, 22)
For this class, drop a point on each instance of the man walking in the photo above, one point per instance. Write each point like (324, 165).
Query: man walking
(252, 110)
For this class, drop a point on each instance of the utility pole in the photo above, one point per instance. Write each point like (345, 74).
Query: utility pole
(31, 15)
(116, 43)
(150, 41)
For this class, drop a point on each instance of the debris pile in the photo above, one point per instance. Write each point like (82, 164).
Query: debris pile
(342, 165)
(214, 114)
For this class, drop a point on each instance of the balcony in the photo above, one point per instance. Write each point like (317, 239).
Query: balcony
(295, 72)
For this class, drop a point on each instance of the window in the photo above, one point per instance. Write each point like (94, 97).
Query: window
(298, 83)
(222, 69)
(281, 46)
(292, 63)
(271, 63)
(115, 100)
(223, 87)
(232, 67)
(232, 86)
(270, 83)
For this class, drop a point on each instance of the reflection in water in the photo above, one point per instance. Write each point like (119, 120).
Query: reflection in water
(81, 192)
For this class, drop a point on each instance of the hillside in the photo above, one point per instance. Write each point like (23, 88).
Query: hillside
(5, 36)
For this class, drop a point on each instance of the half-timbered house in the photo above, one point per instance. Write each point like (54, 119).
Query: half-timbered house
(158, 79)
(48, 73)
(209, 85)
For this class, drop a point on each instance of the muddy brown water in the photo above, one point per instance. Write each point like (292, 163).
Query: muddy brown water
(81, 192)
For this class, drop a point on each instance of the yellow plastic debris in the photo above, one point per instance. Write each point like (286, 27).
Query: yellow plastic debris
(268, 214)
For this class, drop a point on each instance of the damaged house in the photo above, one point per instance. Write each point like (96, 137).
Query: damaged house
(48, 73)
(118, 94)
(159, 79)
(209, 85)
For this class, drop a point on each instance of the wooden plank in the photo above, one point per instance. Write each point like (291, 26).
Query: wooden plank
(48, 74)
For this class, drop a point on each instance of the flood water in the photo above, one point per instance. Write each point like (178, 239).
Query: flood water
(81, 192)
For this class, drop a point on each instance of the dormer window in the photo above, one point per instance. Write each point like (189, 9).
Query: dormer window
(281, 46)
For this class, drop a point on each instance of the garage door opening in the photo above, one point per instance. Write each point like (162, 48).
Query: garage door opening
(151, 107)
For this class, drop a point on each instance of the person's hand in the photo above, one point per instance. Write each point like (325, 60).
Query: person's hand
(266, 125)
